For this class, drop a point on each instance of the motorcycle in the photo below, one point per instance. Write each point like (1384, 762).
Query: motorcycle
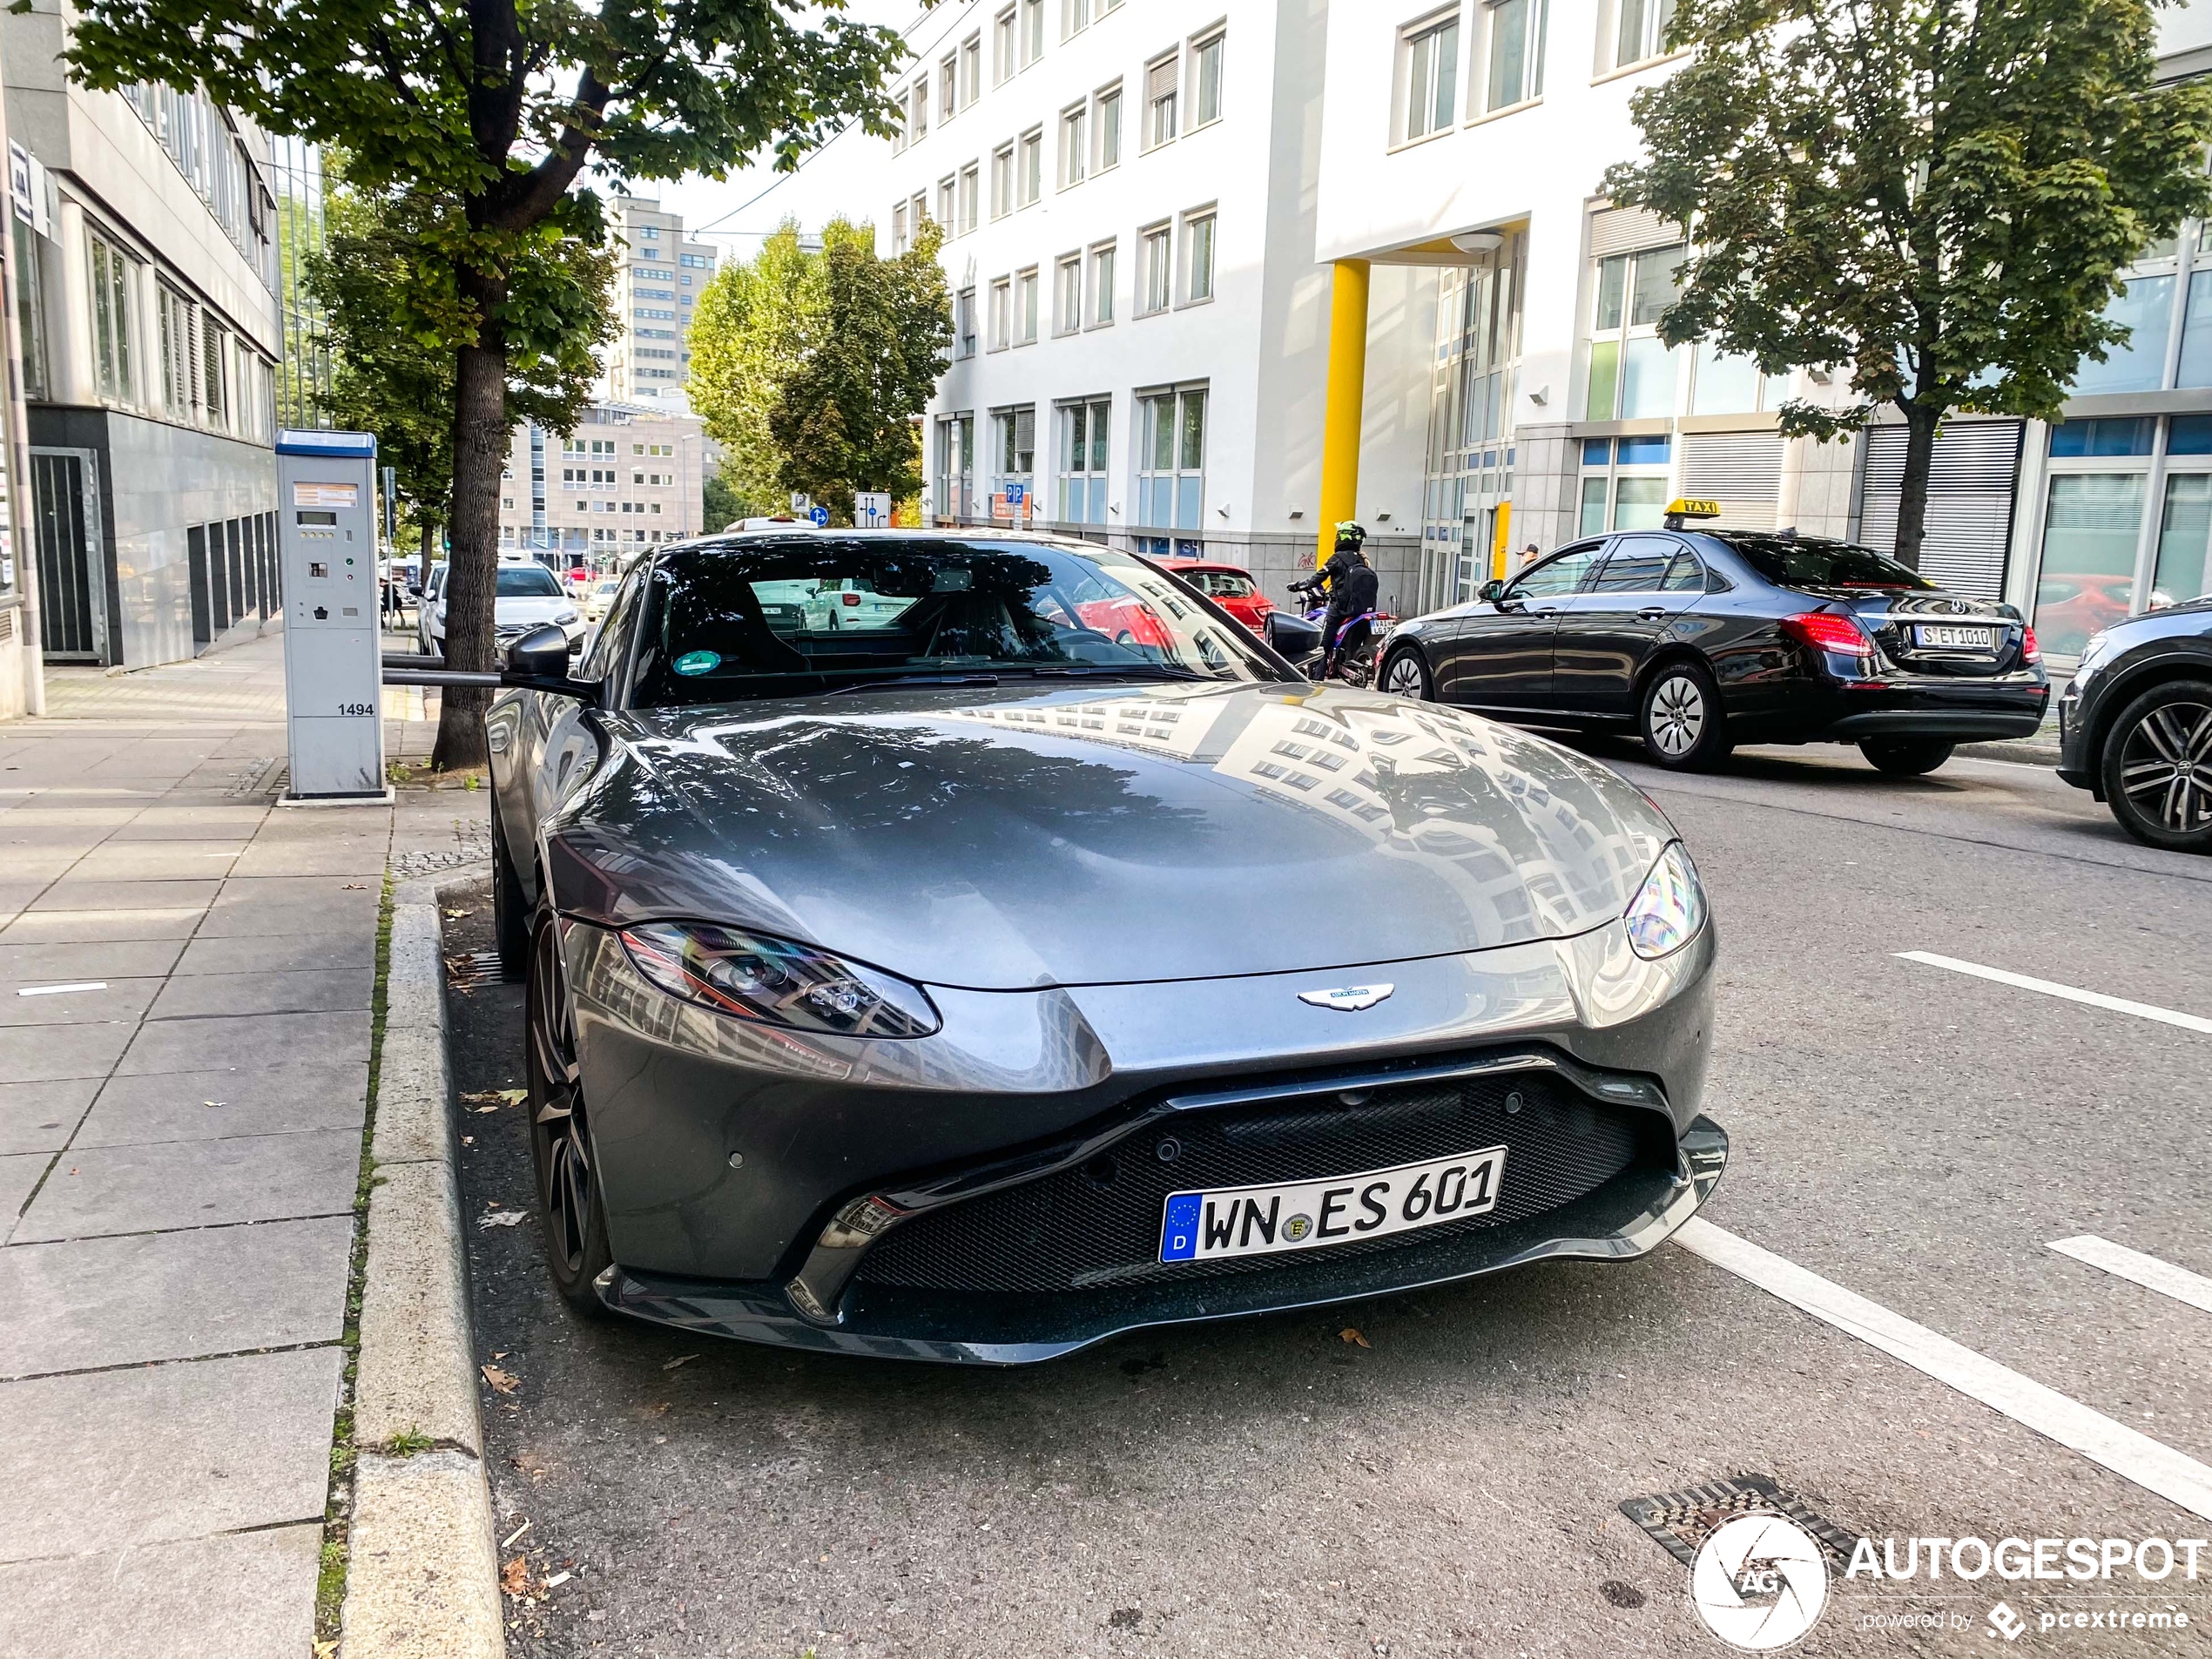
(1355, 666)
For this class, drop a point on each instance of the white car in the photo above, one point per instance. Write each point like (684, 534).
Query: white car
(851, 604)
(529, 595)
(598, 594)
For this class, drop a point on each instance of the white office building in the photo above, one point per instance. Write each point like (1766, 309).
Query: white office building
(146, 278)
(629, 477)
(658, 283)
(1141, 350)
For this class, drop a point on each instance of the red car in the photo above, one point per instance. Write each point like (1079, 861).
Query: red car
(1230, 586)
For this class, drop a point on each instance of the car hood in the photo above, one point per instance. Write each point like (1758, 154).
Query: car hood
(1020, 838)
(527, 608)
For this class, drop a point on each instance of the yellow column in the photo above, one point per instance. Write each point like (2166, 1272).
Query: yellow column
(1348, 389)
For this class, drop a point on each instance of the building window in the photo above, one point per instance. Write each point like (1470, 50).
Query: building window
(2144, 309)
(971, 188)
(31, 308)
(176, 321)
(1074, 151)
(1624, 484)
(918, 101)
(1158, 271)
(1205, 80)
(1197, 257)
(1067, 294)
(1170, 462)
(1075, 18)
(1030, 178)
(947, 86)
(1025, 306)
(1032, 32)
(1013, 457)
(1101, 283)
(948, 204)
(1001, 314)
(113, 286)
(898, 233)
(1514, 43)
(1641, 30)
(955, 468)
(1002, 62)
(214, 371)
(964, 324)
(1720, 384)
(971, 70)
(1082, 452)
(1431, 54)
(1108, 119)
(1634, 375)
(1002, 181)
(1159, 101)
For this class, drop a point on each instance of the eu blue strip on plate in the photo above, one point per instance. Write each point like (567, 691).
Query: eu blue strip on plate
(1179, 1237)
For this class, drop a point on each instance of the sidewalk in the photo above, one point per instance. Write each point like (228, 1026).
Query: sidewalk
(180, 1147)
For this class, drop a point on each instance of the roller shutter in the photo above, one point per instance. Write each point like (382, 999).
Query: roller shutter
(1971, 483)
(1741, 470)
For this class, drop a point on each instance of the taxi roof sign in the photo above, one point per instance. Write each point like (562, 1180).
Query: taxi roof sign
(1692, 507)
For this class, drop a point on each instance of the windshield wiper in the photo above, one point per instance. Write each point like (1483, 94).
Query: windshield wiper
(1098, 671)
(901, 681)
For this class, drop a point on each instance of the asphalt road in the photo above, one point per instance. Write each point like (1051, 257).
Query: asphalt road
(1449, 1482)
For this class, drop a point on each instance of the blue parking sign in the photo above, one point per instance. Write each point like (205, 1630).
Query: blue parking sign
(1015, 493)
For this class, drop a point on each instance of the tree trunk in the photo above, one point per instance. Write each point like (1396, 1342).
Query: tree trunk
(480, 444)
(1920, 424)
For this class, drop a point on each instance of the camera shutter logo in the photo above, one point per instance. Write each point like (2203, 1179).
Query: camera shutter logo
(1759, 1582)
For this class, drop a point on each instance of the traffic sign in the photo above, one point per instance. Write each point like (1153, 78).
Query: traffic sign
(819, 515)
(1015, 493)
(871, 508)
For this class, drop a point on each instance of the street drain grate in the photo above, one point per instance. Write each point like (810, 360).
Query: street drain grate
(472, 969)
(1680, 1521)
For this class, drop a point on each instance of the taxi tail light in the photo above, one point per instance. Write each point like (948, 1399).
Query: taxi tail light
(2030, 651)
(1829, 631)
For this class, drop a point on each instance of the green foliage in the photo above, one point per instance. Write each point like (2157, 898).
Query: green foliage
(386, 284)
(1935, 193)
(810, 366)
(720, 503)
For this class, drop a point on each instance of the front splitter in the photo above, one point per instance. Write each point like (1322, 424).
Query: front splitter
(1630, 1216)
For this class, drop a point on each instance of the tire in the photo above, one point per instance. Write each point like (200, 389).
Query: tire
(571, 1211)
(1905, 756)
(1406, 675)
(2156, 763)
(510, 910)
(1680, 718)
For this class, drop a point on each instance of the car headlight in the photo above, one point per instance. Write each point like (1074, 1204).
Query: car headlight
(771, 980)
(1668, 909)
(2098, 646)
(565, 615)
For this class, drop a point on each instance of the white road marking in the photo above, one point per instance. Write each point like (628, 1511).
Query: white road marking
(61, 990)
(2094, 999)
(2146, 1271)
(2128, 1453)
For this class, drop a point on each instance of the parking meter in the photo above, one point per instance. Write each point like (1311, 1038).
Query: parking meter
(327, 548)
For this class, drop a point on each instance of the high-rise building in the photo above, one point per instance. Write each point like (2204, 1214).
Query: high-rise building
(658, 284)
(629, 476)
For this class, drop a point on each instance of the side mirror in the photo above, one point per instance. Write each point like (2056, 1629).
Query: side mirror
(539, 662)
(1490, 591)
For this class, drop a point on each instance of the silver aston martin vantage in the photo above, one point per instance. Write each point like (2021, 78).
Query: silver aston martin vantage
(966, 947)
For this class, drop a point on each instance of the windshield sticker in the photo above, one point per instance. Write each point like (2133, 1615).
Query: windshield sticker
(697, 661)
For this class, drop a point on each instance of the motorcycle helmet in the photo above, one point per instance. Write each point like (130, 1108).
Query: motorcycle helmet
(1351, 535)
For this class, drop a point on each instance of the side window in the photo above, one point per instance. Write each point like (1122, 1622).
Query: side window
(1638, 564)
(1562, 573)
(614, 633)
(1684, 573)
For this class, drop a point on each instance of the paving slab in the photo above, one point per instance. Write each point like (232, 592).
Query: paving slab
(98, 1301)
(321, 855)
(111, 959)
(299, 991)
(77, 893)
(86, 927)
(19, 1173)
(242, 1043)
(41, 1054)
(324, 903)
(242, 1596)
(75, 1002)
(148, 860)
(278, 953)
(103, 1461)
(37, 1117)
(97, 1190)
(306, 1093)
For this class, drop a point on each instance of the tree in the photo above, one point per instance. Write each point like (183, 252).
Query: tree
(1934, 193)
(719, 503)
(389, 304)
(489, 110)
(809, 367)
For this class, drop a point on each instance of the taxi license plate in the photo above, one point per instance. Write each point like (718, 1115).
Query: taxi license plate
(1950, 637)
(1306, 1215)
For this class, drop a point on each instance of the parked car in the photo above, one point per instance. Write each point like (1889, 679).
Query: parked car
(2135, 725)
(927, 990)
(529, 597)
(425, 602)
(597, 597)
(848, 602)
(1230, 586)
(1700, 640)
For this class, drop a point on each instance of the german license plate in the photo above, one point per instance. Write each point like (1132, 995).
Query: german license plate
(1306, 1215)
(1943, 636)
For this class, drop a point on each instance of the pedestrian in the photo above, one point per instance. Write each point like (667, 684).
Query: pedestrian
(1528, 556)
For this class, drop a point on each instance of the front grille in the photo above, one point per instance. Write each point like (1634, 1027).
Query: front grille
(1099, 1225)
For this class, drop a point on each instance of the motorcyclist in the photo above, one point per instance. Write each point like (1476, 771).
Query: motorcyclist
(1352, 588)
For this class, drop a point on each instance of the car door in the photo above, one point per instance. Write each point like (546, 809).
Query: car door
(1606, 633)
(1498, 656)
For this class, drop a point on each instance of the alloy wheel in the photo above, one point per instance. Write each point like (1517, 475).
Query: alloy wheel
(557, 1106)
(1677, 716)
(1402, 678)
(2166, 766)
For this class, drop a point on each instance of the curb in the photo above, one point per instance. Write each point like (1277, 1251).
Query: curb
(423, 1574)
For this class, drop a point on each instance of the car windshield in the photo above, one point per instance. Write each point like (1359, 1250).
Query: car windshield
(1811, 562)
(528, 582)
(1220, 585)
(772, 616)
